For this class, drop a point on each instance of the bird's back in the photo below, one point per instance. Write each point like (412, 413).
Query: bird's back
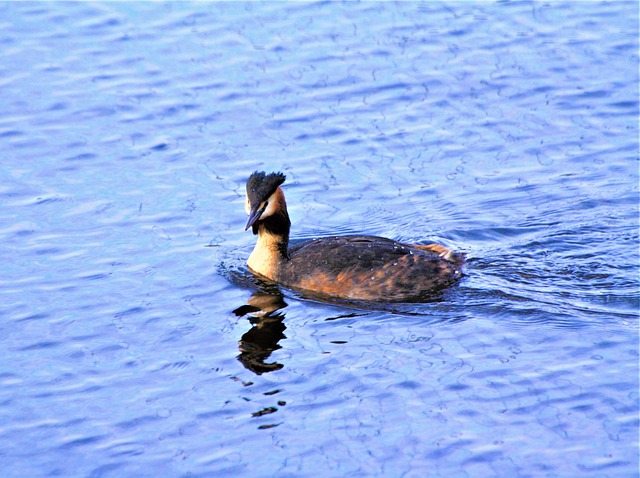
(369, 268)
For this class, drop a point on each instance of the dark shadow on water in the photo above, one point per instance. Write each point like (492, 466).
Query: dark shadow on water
(267, 329)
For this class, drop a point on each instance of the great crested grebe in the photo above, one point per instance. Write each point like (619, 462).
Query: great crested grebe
(348, 267)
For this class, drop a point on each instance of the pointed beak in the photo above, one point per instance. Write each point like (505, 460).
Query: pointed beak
(254, 216)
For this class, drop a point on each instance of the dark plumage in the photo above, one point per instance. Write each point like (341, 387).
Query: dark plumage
(349, 267)
(261, 185)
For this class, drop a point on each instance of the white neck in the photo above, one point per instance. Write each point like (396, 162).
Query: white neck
(266, 257)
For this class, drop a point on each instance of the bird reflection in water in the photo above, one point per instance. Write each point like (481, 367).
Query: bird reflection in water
(267, 330)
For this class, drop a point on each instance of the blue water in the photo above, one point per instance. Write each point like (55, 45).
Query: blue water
(130, 338)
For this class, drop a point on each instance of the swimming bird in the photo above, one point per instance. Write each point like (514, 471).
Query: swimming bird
(357, 267)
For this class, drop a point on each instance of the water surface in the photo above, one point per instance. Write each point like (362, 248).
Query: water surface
(130, 341)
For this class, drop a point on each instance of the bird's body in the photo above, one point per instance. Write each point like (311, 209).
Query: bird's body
(349, 267)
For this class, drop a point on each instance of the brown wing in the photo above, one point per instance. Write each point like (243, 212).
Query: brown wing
(368, 268)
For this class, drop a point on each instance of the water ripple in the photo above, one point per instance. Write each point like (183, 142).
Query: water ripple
(135, 340)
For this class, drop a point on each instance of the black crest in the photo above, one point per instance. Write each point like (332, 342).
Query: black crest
(261, 185)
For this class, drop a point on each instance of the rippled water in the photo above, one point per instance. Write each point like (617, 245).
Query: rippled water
(131, 343)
